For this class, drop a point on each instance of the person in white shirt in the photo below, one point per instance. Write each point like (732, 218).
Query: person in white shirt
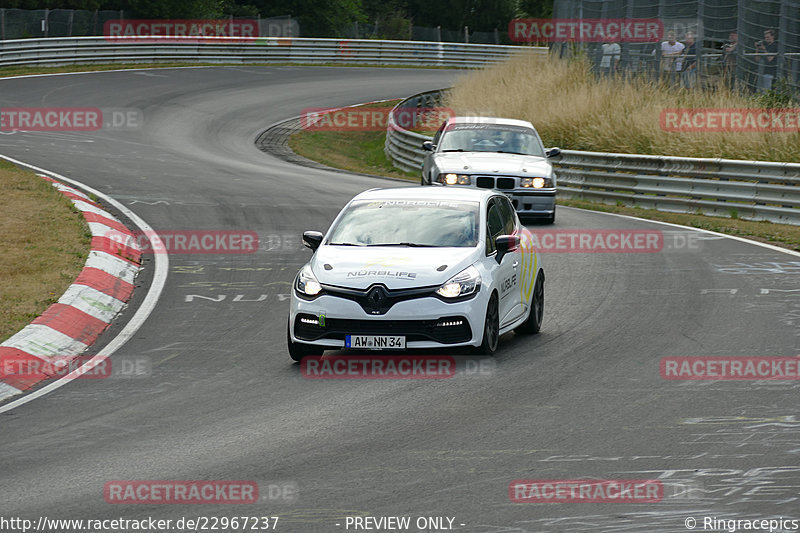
(671, 51)
(609, 63)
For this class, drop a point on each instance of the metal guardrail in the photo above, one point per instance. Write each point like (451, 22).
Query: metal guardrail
(755, 190)
(69, 50)
(403, 147)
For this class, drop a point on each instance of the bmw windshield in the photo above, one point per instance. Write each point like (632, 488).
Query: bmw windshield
(497, 138)
(410, 223)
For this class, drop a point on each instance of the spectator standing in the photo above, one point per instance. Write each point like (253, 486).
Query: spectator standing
(671, 51)
(729, 59)
(689, 73)
(767, 46)
(609, 63)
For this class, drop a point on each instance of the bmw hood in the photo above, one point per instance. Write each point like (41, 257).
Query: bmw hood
(490, 163)
(359, 267)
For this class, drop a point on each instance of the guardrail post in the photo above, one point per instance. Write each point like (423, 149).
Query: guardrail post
(740, 73)
(783, 30)
(698, 44)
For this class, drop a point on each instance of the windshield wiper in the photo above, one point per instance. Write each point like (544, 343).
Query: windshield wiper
(454, 150)
(412, 244)
(345, 244)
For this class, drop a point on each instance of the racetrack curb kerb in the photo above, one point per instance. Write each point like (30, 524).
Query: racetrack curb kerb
(68, 327)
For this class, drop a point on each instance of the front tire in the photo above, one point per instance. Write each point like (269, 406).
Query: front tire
(534, 322)
(298, 350)
(491, 328)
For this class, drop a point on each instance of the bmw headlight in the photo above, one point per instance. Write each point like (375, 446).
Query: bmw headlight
(465, 283)
(307, 283)
(536, 183)
(454, 179)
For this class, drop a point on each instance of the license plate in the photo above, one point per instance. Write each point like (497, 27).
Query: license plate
(375, 342)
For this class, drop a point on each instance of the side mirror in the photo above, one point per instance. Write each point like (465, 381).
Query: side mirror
(428, 146)
(552, 152)
(505, 244)
(312, 239)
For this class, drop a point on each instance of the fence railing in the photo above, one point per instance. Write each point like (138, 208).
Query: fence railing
(755, 190)
(68, 50)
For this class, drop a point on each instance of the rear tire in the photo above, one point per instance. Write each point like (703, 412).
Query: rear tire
(491, 328)
(298, 350)
(534, 322)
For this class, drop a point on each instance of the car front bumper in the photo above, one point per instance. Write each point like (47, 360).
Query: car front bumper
(541, 202)
(527, 201)
(425, 322)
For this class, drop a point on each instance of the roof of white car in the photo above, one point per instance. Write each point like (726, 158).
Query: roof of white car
(490, 120)
(427, 193)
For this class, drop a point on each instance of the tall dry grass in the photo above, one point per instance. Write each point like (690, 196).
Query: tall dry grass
(574, 110)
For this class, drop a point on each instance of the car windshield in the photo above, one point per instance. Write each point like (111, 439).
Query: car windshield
(498, 138)
(408, 223)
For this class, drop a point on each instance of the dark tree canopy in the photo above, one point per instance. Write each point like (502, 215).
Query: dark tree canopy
(324, 18)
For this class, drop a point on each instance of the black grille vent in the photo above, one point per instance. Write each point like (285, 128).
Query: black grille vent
(455, 329)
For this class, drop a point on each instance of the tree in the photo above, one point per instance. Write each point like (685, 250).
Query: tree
(536, 9)
(478, 15)
(317, 18)
(173, 9)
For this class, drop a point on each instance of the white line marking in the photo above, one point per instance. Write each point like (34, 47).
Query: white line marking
(142, 313)
(734, 237)
(98, 71)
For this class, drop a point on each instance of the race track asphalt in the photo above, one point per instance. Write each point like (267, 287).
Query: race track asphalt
(582, 400)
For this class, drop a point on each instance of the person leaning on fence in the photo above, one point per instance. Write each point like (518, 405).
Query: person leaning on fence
(689, 73)
(767, 46)
(729, 59)
(671, 51)
(609, 63)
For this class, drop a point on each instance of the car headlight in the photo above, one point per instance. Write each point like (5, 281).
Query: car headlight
(307, 283)
(454, 179)
(465, 283)
(536, 183)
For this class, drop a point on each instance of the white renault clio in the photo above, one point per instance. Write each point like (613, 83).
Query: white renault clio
(417, 268)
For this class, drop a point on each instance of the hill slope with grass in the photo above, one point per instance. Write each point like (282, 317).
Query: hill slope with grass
(573, 109)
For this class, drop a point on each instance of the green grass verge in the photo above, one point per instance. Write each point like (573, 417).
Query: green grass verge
(44, 241)
(354, 151)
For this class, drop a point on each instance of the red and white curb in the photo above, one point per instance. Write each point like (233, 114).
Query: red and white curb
(67, 328)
